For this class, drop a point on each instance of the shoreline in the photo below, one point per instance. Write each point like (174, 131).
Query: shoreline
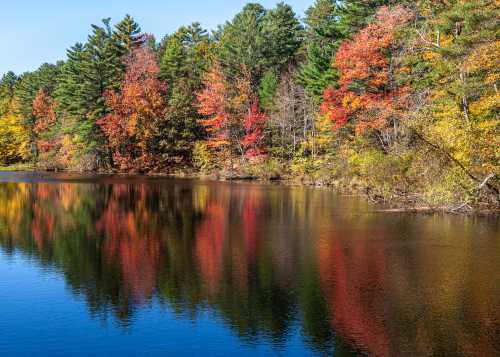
(392, 207)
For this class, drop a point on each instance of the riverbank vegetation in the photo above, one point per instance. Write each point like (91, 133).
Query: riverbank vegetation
(398, 99)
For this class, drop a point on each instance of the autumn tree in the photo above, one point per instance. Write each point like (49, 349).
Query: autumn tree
(368, 94)
(213, 104)
(92, 69)
(254, 124)
(137, 112)
(454, 107)
(44, 110)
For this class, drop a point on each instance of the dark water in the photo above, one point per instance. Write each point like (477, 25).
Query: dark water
(134, 266)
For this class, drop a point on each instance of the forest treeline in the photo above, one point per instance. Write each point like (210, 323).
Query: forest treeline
(396, 98)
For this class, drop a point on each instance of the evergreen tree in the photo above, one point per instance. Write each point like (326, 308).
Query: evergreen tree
(355, 14)
(282, 33)
(185, 60)
(7, 85)
(267, 91)
(127, 36)
(322, 38)
(30, 83)
(242, 43)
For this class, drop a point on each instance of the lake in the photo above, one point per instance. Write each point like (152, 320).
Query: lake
(153, 266)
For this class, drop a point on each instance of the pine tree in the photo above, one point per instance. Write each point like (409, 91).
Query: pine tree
(127, 36)
(282, 33)
(322, 36)
(242, 44)
(185, 60)
(7, 85)
(267, 91)
(355, 14)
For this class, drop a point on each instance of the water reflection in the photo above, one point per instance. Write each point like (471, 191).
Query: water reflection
(266, 259)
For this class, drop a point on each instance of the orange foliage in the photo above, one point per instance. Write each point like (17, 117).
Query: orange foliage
(44, 111)
(136, 112)
(367, 93)
(348, 276)
(137, 252)
(212, 104)
(254, 125)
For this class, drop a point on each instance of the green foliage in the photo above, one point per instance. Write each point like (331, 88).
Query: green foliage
(322, 37)
(258, 40)
(282, 34)
(30, 83)
(7, 85)
(267, 91)
(186, 58)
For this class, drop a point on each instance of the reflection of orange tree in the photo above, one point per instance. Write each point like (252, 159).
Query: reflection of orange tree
(352, 278)
(134, 245)
(44, 221)
(210, 238)
(238, 269)
(215, 238)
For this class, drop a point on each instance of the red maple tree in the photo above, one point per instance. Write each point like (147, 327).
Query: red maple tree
(367, 94)
(44, 111)
(137, 110)
(213, 101)
(254, 124)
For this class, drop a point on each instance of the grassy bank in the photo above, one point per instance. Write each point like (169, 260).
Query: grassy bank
(18, 167)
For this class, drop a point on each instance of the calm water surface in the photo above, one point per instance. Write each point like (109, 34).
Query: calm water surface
(137, 266)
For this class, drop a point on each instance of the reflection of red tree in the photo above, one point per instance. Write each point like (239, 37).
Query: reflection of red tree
(251, 223)
(137, 251)
(212, 235)
(44, 221)
(210, 238)
(352, 278)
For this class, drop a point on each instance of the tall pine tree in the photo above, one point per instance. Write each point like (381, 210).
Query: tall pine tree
(322, 38)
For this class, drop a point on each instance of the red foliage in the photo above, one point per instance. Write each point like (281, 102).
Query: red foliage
(44, 112)
(134, 247)
(212, 104)
(353, 284)
(254, 124)
(210, 238)
(136, 112)
(367, 93)
(43, 224)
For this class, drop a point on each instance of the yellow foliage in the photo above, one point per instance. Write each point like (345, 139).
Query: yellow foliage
(323, 137)
(14, 139)
(485, 107)
(485, 59)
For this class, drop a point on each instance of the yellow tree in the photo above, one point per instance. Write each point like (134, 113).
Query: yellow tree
(14, 137)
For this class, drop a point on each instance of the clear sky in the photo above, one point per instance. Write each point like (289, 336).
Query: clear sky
(38, 31)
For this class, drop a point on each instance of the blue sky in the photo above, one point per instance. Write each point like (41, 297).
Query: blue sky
(38, 31)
